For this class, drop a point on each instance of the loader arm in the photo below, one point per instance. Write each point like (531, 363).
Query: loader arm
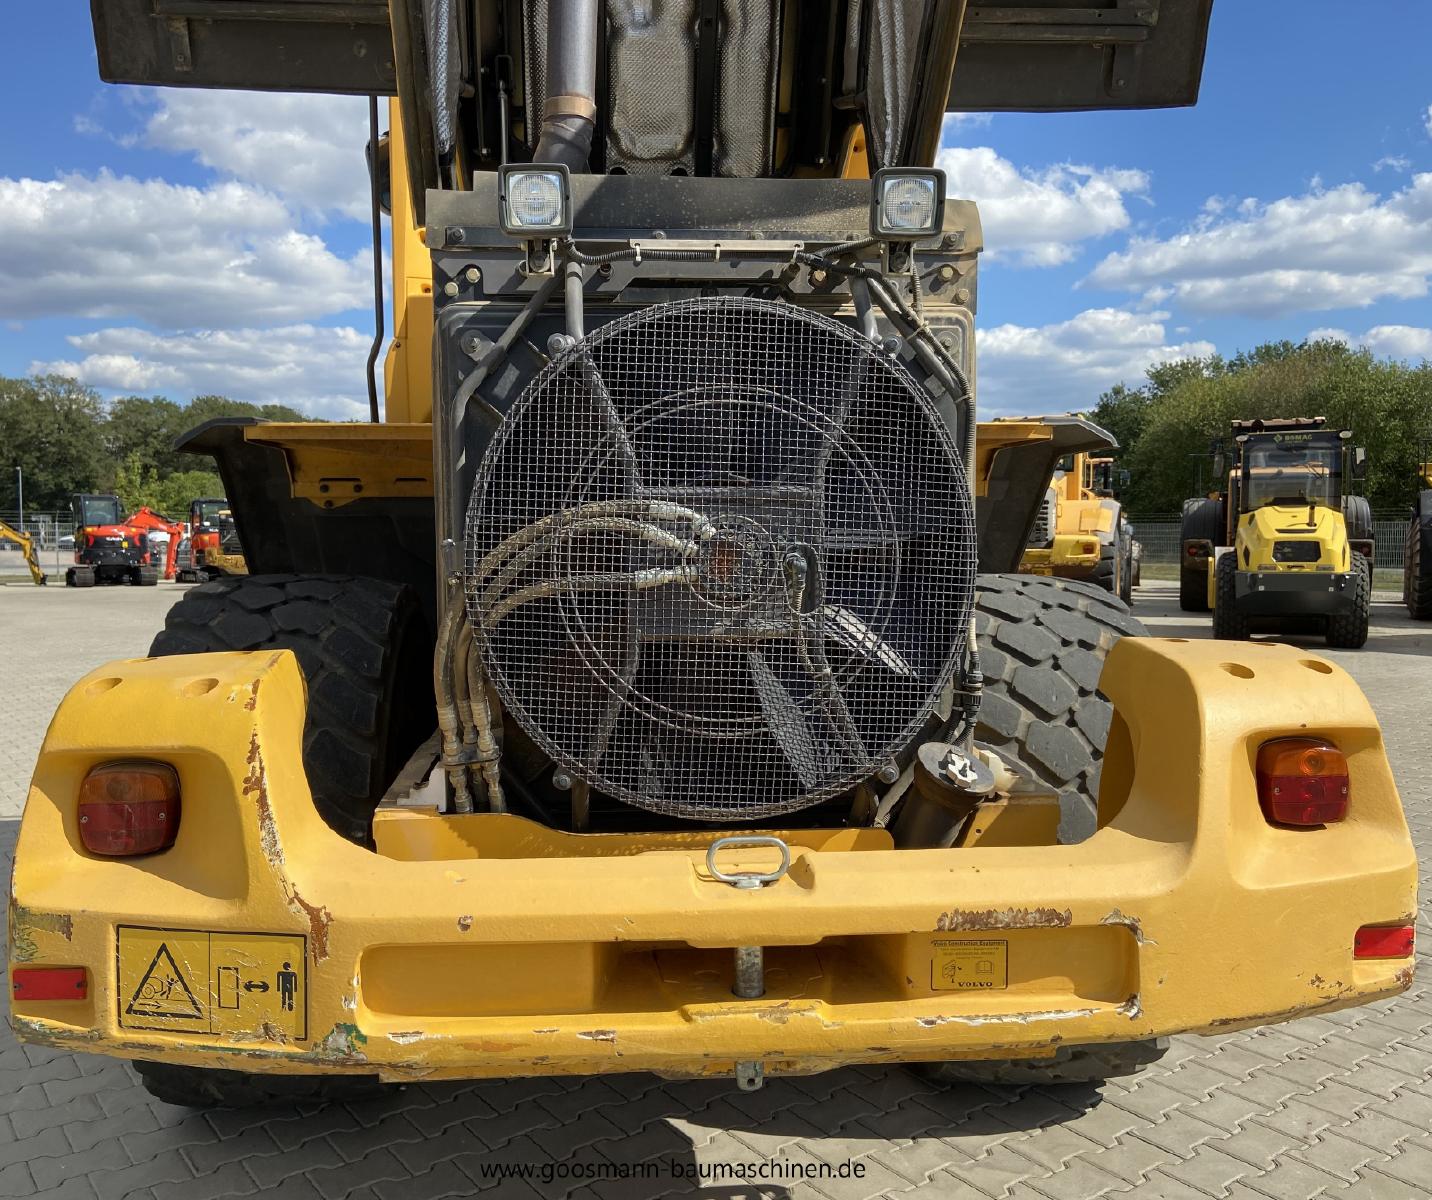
(27, 548)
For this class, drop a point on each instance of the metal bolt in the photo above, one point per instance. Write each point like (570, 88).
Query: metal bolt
(450, 288)
(962, 296)
(891, 345)
(562, 781)
(819, 276)
(453, 235)
(889, 773)
(472, 275)
(947, 272)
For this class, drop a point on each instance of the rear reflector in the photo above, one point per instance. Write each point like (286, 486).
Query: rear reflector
(1383, 941)
(1302, 782)
(129, 808)
(49, 983)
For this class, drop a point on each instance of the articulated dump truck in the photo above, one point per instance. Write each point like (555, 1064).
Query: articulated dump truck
(653, 689)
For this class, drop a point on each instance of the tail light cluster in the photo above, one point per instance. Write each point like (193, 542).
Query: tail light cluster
(129, 808)
(1302, 782)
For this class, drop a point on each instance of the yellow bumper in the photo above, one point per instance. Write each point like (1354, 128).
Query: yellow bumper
(1070, 557)
(487, 946)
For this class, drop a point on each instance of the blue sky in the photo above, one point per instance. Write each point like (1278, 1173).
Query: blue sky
(179, 242)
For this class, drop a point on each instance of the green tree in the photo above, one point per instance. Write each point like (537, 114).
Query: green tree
(51, 428)
(1168, 425)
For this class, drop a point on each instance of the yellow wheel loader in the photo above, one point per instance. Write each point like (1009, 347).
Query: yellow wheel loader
(27, 549)
(1081, 532)
(1291, 547)
(654, 688)
(1417, 553)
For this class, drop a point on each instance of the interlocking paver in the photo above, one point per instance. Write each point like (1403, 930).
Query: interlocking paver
(1338, 1105)
(1208, 1169)
(1080, 1178)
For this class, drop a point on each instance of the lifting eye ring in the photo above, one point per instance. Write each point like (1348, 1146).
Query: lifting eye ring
(747, 880)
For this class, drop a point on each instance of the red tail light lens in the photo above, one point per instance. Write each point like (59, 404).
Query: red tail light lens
(49, 983)
(129, 808)
(1302, 782)
(1384, 941)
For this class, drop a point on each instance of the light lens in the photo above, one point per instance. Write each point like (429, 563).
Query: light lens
(534, 200)
(1384, 941)
(129, 808)
(1302, 782)
(907, 204)
(49, 983)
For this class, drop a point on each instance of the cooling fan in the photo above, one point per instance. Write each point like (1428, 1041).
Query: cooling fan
(720, 559)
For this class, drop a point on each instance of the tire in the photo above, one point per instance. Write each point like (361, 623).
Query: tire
(147, 577)
(1126, 576)
(1070, 1064)
(1357, 515)
(1106, 571)
(1349, 632)
(1416, 574)
(1229, 624)
(366, 653)
(213, 1087)
(80, 577)
(1202, 521)
(1042, 647)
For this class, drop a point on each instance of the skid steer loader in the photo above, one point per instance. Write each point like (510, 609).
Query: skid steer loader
(653, 689)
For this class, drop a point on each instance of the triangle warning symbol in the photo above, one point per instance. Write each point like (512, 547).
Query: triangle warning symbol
(163, 991)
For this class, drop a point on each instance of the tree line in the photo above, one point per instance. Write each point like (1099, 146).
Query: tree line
(1166, 425)
(66, 439)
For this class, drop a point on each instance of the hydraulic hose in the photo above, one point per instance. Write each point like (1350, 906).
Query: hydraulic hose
(449, 727)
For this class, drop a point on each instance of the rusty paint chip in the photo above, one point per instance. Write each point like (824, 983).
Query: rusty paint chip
(962, 920)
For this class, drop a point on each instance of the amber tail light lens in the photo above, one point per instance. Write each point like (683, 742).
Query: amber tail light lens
(129, 808)
(1302, 782)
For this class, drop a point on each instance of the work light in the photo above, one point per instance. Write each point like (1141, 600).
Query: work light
(536, 200)
(908, 203)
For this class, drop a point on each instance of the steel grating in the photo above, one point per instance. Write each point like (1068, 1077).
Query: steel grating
(720, 559)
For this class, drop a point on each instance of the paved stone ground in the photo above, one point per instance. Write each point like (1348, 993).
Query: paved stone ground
(1337, 1105)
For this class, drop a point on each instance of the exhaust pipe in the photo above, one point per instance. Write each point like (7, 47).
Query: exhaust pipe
(569, 116)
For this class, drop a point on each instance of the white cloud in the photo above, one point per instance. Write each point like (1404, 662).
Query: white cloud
(1064, 366)
(1345, 247)
(1427, 120)
(1392, 162)
(308, 149)
(179, 257)
(1393, 341)
(317, 369)
(1039, 217)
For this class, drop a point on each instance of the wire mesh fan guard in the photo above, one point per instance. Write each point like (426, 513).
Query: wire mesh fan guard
(720, 559)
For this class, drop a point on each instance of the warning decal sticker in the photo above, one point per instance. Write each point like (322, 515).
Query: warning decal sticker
(957, 965)
(219, 982)
(163, 991)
